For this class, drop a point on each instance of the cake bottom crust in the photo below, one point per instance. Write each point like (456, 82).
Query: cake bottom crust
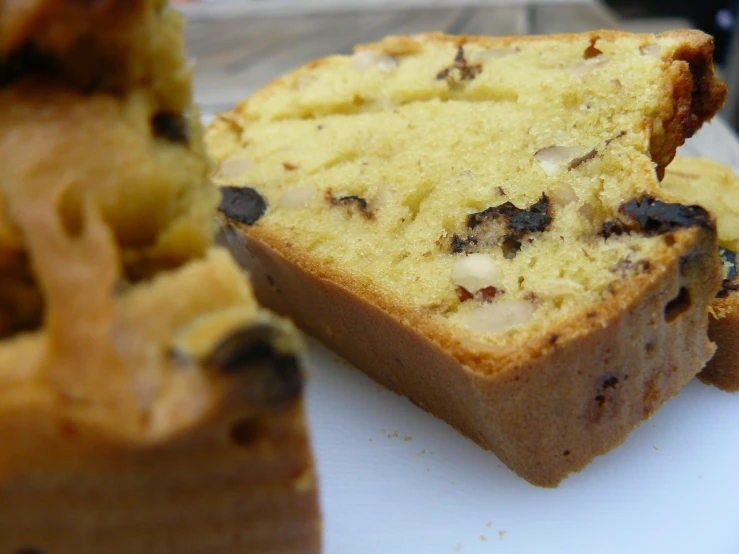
(544, 418)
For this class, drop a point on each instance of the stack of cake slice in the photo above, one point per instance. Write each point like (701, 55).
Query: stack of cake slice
(716, 187)
(477, 223)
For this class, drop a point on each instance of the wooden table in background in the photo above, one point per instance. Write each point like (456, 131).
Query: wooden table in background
(237, 50)
(238, 46)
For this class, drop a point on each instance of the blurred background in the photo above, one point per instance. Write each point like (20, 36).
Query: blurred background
(239, 45)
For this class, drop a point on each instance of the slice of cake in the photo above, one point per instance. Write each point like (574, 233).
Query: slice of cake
(106, 89)
(477, 224)
(168, 418)
(147, 403)
(716, 187)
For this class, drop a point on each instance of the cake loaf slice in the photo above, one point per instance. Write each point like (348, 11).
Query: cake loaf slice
(477, 224)
(147, 403)
(716, 187)
(168, 419)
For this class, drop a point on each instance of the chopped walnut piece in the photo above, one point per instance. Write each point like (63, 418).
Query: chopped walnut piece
(554, 158)
(650, 50)
(296, 197)
(386, 63)
(498, 316)
(234, 166)
(400, 45)
(577, 162)
(463, 294)
(476, 271)
(563, 194)
(364, 60)
(489, 293)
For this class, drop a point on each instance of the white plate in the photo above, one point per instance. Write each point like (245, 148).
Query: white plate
(396, 480)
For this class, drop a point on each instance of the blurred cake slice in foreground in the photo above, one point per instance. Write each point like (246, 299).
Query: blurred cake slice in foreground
(147, 403)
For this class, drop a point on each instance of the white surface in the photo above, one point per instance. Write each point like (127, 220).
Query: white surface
(396, 480)
(672, 487)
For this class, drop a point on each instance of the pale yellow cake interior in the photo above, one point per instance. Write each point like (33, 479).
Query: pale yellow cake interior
(425, 143)
(712, 185)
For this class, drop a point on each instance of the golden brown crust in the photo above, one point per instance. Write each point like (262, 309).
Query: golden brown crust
(225, 486)
(723, 369)
(697, 94)
(545, 410)
(70, 450)
(56, 24)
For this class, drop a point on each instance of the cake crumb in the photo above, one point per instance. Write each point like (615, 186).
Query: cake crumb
(500, 534)
(457, 548)
(655, 447)
(394, 435)
(489, 524)
(483, 538)
(407, 438)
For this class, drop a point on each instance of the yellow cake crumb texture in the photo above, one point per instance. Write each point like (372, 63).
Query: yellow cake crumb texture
(375, 164)
(712, 185)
